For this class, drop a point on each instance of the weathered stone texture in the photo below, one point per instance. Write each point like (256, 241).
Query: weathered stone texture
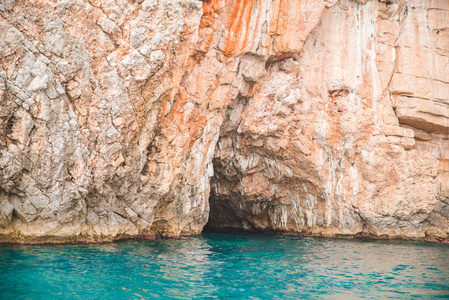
(351, 137)
(317, 117)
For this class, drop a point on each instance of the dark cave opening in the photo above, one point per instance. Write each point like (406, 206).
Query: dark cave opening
(221, 217)
(226, 216)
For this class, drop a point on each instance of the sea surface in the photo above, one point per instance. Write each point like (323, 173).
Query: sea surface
(227, 266)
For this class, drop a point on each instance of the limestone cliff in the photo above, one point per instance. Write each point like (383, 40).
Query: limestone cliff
(145, 118)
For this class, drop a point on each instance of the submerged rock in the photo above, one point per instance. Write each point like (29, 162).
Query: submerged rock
(122, 119)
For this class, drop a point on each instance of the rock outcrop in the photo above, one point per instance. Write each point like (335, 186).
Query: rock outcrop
(150, 118)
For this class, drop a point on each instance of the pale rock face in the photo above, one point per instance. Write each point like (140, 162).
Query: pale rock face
(124, 119)
(350, 140)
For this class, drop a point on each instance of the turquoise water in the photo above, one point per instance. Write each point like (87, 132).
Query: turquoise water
(226, 266)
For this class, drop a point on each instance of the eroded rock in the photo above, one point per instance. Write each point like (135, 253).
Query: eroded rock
(311, 117)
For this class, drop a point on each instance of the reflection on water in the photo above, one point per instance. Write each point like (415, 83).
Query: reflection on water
(224, 266)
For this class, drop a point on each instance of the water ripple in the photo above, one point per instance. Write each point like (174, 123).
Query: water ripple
(224, 266)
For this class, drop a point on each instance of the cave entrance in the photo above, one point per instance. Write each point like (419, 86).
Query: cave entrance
(227, 216)
(221, 217)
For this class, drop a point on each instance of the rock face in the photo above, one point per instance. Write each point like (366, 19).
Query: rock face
(150, 118)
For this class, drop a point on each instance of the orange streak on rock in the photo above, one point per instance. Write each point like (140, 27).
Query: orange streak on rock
(195, 130)
(210, 11)
(178, 123)
(238, 24)
(176, 114)
(208, 24)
